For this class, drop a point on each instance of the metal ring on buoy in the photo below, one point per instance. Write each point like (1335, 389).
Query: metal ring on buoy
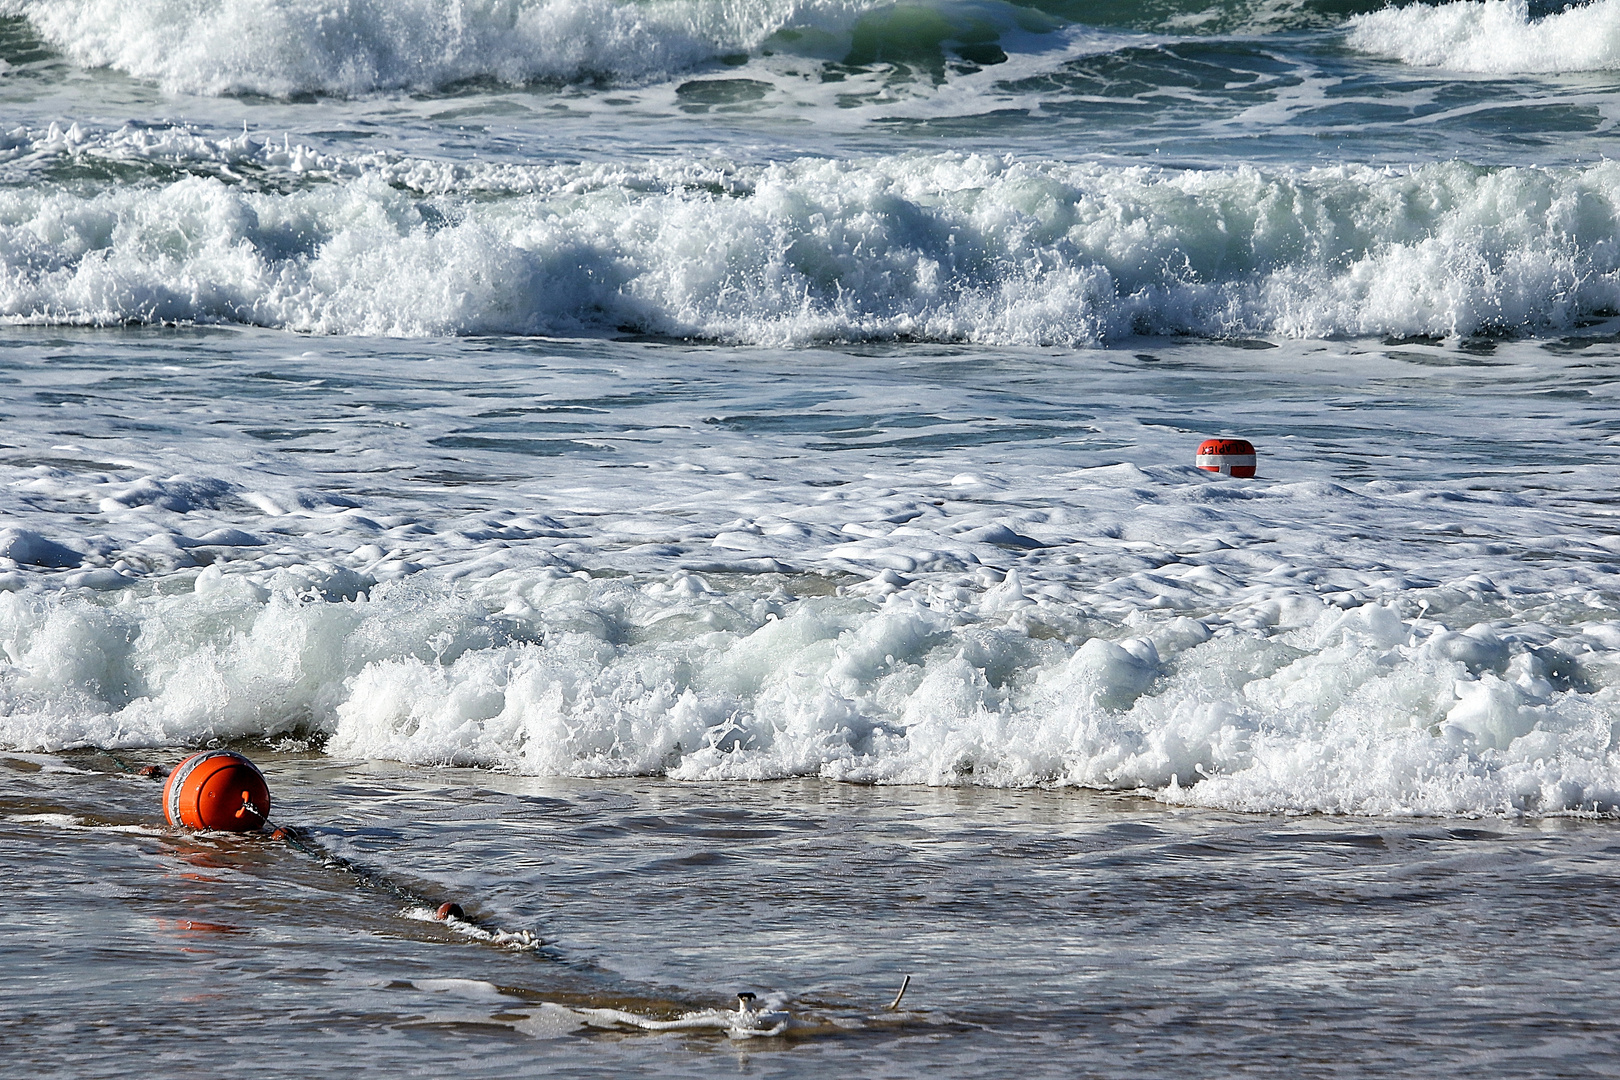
(217, 789)
(1229, 457)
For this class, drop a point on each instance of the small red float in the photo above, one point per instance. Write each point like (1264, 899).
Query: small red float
(217, 789)
(1229, 457)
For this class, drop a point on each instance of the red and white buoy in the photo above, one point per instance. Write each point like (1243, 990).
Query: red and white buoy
(217, 789)
(1229, 457)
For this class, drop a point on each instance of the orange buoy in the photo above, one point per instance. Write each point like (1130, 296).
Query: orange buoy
(1229, 457)
(217, 789)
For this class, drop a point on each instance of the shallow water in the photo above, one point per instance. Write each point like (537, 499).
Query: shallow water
(1045, 932)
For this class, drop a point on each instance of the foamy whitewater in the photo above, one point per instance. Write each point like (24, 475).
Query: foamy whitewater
(638, 570)
(1498, 36)
(943, 247)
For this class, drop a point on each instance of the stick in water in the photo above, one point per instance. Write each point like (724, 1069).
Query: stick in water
(895, 1004)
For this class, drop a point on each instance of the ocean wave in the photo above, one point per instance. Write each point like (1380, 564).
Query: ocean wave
(1501, 36)
(1362, 711)
(942, 247)
(359, 46)
(1209, 16)
(349, 47)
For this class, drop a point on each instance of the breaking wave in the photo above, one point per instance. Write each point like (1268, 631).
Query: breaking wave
(1501, 36)
(1367, 710)
(358, 46)
(944, 247)
(352, 47)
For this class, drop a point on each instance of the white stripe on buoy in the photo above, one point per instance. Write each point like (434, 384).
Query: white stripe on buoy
(1224, 462)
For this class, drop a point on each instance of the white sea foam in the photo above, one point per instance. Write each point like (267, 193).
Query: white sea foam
(358, 46)
(945, 247)
(1377, 709)
(351, 47)
(1494, 36)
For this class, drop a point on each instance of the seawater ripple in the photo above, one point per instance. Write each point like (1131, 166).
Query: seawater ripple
(709, 484)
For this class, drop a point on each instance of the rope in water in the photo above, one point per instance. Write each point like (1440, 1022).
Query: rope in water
(302, 841)
(447, 912)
